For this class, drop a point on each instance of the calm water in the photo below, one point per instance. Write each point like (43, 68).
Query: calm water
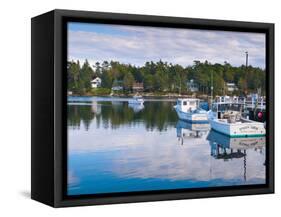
(114, 147)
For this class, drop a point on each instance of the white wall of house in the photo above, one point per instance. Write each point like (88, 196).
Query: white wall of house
(96, 82)
(231, 87)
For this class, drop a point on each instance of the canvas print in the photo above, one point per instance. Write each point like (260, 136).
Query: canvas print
(157, 108)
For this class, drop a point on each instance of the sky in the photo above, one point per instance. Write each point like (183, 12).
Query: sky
(136, 45)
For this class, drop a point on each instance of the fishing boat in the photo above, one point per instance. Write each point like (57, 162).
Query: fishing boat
(226, 118)
(188, 110)
(136, 100)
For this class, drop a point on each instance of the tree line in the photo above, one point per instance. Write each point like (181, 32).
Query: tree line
(166, 77)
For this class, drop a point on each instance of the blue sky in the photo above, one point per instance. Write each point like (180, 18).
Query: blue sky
(137, 45)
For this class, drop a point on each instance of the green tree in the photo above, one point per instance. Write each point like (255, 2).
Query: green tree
(98, 69)
(242, 85)
(86, 74)
(128, 81)
(148, 82)
(107, 79)
(74, 76)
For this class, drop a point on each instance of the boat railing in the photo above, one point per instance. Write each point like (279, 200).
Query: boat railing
(252, 103)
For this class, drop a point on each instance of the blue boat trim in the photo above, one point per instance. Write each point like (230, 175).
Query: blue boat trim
(195, 121)
(240, 136)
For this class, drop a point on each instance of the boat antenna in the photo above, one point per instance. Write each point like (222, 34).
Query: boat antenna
(247, 56)
(212, 87)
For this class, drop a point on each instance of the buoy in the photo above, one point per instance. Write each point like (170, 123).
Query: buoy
(260, 115)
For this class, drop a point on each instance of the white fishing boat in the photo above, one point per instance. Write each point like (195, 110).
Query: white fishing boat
(136, 100)
(188, 110)
(226, 118)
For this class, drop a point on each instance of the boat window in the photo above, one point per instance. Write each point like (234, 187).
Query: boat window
(184, 103)
(222, 107)
(214, 107)
(229, 107)
(192, 103)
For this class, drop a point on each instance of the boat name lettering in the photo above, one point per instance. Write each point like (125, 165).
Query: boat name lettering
(248, 127)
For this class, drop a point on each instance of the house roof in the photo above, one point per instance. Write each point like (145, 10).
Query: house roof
(137, 85)
(97, 78)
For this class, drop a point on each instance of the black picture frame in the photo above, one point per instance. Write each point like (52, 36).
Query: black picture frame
(49, 95)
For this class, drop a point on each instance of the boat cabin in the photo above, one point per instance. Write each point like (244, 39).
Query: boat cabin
(229, 111)
(188, 105)
(227, 106)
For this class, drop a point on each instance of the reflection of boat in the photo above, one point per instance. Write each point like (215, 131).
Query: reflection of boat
(96, 107)
(225, 147)
(188, 109)
(136, 107)
(226, 118)
(136, 100)
(191, 130)
(242, 143)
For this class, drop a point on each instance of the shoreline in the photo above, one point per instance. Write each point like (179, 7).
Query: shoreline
(145, 95)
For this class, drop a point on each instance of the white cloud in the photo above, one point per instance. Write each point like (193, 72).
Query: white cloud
(136, 45)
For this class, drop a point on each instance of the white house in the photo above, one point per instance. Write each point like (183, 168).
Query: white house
(192, 86)
(96, 82)
(231, 87)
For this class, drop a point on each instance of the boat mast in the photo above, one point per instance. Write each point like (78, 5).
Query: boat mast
(247, 56)
(212, 87)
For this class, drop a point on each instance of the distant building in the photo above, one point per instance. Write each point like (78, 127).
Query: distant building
(231, 87)
(117, 88)
(192, 86)
(137, 86)
(117, 85)
(96, 82)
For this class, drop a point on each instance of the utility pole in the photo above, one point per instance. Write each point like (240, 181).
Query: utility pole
(247, 56)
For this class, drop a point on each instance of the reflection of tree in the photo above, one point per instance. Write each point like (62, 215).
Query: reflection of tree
(78, 114)
(155, 115)
(159, 115)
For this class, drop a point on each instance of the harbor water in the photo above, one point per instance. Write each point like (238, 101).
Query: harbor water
(114, 146)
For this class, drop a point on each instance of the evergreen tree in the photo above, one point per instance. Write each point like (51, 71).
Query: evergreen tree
(128, 81)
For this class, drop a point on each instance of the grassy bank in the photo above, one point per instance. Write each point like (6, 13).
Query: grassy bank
(108, 92)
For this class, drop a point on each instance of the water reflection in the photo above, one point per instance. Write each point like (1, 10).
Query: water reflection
(187, 131)
(114, 148)
(226, 148)
(136, 107)
(157, 115)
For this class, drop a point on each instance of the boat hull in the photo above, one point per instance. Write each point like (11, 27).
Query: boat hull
(250, 129)
(192, 117)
